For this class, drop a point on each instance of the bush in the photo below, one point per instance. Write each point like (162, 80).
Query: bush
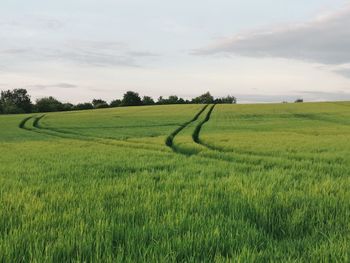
(15, 101)
(84, 106)
(226, 100)
(99, 104)
(131, 99)
(11, 108)
(49, 104)
(115, 103)
(146, 100)
(67, 107)
(205, 98)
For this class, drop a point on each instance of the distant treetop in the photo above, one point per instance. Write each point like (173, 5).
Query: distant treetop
(18, 101)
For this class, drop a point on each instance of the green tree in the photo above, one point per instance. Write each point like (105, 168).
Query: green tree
(84, 106)
(15, 101)
(226, 100)
(49, 104)
(67, 106)
(161, 100)
(173, 99)
(146, 100)
(204, 98)
(115, 103)
(131, 98)
(99, 104)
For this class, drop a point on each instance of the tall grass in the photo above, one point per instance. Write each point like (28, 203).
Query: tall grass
(266, 183)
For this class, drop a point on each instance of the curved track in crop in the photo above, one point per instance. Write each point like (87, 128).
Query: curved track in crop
(197, 130)
(37, 128)
(255, 161)
(170, 139)
(23, 123)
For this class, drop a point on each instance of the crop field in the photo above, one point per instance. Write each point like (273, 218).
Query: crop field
(177, 183)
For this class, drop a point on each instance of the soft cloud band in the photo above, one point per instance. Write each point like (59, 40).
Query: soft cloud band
(324, 40)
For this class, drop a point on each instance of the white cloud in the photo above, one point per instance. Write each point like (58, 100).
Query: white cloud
(55, 86)
(30, 22)
(325, 40)
(34, 38)
(88, 53)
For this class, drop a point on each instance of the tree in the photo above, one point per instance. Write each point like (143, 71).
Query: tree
(102, 106)
(146, 100)
(115, 103)
(98, 104)
(49, 104)
(173, 99)
(161, 100)
(204, 98)
(226, 100)
(299, 101)
(84, 106)
(131, 99)
(15, 101)
(67, 106)
(181, 101)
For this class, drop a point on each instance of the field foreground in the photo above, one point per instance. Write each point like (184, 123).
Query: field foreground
(184, 183)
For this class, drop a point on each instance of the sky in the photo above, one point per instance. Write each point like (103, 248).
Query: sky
(256, 50)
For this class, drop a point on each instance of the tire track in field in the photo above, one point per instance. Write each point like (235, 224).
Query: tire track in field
(197, 130)
(266, 156)
(253, 164)
(170, 139)
(40, 130)
(75, 135)
(100, 140)
(268, 163)
(44, 131)
(37, 120)
(23, 123)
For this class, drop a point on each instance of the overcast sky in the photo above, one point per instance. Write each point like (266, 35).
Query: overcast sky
(257, 50)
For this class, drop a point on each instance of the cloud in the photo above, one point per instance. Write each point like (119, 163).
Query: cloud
(88, 53)
(325, 40)
(325, 96)
(306, 95)
(343, 70)
(36, 38)
(142, 54)
(30, 22)
(56, 86)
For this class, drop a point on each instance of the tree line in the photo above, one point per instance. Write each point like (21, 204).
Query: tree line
(19, 101)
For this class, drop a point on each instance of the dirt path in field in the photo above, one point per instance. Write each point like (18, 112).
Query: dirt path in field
(170, 139)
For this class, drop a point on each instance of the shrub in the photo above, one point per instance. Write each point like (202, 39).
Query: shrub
(84, 106)
(131, 99)
(99, 104)
(146, 100)
(15, 101)
(115, 103)
(49, 104)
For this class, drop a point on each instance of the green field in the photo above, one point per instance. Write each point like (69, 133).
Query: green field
(177, 183)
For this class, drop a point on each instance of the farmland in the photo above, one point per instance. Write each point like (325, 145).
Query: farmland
(246, 183)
